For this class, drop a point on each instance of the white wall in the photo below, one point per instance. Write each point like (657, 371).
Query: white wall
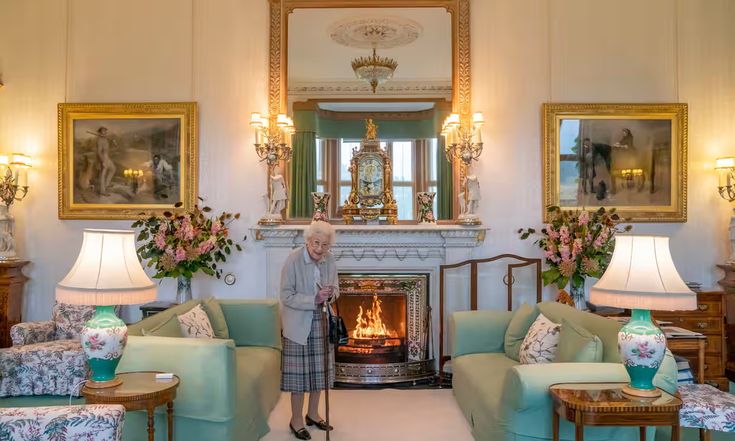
(524, 52)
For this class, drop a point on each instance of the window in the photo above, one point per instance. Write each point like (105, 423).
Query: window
(414, 170)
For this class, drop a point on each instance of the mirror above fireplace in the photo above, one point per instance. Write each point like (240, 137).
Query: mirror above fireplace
(403, 63)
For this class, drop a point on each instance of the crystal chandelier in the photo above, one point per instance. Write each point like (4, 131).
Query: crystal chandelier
(374, 69)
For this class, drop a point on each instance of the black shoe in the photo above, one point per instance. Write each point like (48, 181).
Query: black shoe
(301, 433)
(321, 424)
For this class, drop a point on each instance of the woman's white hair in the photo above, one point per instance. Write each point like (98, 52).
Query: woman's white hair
(323, 228)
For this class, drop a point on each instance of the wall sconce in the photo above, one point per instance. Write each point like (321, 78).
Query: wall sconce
(726, 169)
(463, 142)
(273, 137)
(13, 187)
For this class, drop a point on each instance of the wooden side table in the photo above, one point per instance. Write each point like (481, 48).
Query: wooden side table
(139, 391)
(605, 404)
(11, 297)
(154, 308)
(687, 345)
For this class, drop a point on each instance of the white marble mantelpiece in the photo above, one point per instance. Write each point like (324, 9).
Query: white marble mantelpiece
(382, 248)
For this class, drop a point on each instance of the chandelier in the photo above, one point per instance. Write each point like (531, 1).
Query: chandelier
(374, 69)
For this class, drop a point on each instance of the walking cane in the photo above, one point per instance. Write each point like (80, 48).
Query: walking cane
(325, 327)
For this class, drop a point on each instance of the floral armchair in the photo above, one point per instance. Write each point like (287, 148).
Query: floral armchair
(46, 357)
(88, 422)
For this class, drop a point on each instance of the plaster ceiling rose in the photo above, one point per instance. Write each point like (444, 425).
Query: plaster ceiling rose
(375, 32)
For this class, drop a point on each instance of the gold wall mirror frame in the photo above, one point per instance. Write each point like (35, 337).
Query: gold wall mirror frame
(459, 11)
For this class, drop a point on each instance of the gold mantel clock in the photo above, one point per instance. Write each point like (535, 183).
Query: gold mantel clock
(371, 196)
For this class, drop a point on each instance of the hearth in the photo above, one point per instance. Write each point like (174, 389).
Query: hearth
(388, 323)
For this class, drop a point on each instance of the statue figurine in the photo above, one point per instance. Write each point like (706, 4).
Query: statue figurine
(371, 130)
(279, 194)
(469, 200)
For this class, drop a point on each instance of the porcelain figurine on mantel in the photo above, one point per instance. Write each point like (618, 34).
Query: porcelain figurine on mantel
(469, 200)
(276, 198)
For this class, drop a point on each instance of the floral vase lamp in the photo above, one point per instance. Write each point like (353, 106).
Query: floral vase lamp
(106, 273)
(642, 276)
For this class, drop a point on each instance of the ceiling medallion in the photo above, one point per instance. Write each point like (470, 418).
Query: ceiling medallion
(373, 33)
(381, 32)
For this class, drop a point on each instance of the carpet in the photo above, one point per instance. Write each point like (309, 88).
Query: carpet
(384, 415)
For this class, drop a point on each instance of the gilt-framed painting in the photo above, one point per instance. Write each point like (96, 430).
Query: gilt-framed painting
(629, 156)
(119, 160)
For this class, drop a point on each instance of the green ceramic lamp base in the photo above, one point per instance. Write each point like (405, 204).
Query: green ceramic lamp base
(103, 339)
(642, 347)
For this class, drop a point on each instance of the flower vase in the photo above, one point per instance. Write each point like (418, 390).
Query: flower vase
(577, 293)
(321, 206)
(425, 203)
(183, 289)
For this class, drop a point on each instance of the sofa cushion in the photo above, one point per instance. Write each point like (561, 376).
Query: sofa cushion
(517, 329)
(89, 422)
(216, 317)
(477, 382)
(51, 368)
(195, 324)
(605, 328)
(577, 344)
(541, 342)
(157, 319)
(70, 319)
(169, 328)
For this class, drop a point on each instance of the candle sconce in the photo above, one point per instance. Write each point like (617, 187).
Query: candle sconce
(13, 187)
(133, 178)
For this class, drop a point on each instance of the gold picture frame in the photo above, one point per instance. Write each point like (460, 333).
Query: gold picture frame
(632, 157)
(118, 160)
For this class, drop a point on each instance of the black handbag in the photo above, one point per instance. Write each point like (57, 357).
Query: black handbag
(337, 329)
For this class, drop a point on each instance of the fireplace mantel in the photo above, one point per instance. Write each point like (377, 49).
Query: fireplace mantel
(375, 247)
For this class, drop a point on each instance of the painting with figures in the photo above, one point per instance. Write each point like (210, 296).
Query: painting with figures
(628, 156)
(118, 160)
(127, 161)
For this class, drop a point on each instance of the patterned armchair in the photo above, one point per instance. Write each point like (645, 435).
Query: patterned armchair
(46, 357)
(88, 422)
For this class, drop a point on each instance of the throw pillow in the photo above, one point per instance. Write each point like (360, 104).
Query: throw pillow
(541, 342)
(216, 317)
(517, 329)
(195, 323)
(578, 345)
(169, 328)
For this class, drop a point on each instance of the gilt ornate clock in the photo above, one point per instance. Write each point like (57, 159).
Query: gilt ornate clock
(371, 196)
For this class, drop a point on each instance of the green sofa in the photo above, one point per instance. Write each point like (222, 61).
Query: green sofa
(506, 401)
(228, 387)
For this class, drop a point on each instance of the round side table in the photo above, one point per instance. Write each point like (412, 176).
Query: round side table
(605, 404)
(139, 391)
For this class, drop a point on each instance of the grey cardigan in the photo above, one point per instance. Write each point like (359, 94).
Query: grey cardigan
(298, 291)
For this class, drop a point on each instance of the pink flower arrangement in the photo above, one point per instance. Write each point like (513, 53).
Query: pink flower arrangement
(180, 244)
(576, 244)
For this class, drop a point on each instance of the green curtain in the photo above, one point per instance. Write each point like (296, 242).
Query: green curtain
(303, 174)
(444, 182)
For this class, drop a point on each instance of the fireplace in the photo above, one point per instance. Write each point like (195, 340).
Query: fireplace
(388, 324)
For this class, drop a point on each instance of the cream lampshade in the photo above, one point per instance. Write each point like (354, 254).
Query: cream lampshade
(642, 276)
(107, 272)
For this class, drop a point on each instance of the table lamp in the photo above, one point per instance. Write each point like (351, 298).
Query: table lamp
(106, 273)
(642, 276)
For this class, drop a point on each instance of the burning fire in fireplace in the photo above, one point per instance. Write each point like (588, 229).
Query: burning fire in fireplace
(369, 324)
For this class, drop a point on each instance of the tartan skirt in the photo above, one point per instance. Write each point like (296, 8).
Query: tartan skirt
(302, 366)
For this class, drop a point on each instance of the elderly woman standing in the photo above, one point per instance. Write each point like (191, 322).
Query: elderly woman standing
(308, 280)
